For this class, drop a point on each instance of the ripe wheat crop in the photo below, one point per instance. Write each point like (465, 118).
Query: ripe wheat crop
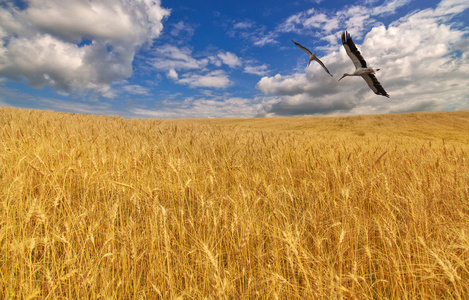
(360, 207)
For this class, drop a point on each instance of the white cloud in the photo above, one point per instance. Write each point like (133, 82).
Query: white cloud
(448, 8)
(309, 19)
(172, 74)
(215, 60)
(76, 46)
(213, 79)
(230, 59)
(301, 104)
(136, 90)
(215, 107)
(423, 67)
(325, 24)
(256, 70)
(244, 25)
(253, 32)
(72, 20)
(169, 57)
(265, 39)
(389, 7)
(319, 23)
(181, 28)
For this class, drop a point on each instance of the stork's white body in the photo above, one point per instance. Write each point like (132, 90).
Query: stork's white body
(361, 69)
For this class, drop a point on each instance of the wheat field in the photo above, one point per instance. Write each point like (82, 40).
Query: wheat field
(359, 207)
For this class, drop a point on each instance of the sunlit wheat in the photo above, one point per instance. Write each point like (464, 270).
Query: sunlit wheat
(362, 207)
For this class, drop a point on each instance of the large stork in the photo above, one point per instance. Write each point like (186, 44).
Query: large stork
(360, 66)
(312, 56)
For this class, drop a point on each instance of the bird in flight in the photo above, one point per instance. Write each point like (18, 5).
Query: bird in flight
(361, 68)
(312, 56)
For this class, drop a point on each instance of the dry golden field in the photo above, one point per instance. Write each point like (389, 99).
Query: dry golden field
(362, 207)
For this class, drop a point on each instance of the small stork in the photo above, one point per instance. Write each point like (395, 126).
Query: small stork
(360, 65)
(312, 56)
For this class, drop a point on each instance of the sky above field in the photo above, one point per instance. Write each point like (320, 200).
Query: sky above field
(211, 58)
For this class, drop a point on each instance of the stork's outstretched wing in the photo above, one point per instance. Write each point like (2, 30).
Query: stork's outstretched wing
(374, 84)
(312, 57)
(322, 65)
(352, 51)
(303, 48)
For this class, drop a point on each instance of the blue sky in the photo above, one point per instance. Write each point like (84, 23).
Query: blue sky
(231, 59)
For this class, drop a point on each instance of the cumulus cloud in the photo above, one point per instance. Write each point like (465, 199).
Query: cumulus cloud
(193, 72)
(301, 104)
(182, 66)
(423, 67)
(74, 45)
(304, 94)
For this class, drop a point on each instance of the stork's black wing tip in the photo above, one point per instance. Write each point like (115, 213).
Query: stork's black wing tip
(345, 37)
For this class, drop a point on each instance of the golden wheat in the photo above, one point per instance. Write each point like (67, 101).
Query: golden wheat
(363, 207)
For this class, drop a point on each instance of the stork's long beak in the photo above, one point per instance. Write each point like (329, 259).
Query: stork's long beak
(342, 77)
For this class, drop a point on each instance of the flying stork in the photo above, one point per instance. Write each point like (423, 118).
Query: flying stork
(312, 56)
(360, 65)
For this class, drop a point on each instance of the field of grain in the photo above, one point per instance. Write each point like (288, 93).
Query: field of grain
(360, 207)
